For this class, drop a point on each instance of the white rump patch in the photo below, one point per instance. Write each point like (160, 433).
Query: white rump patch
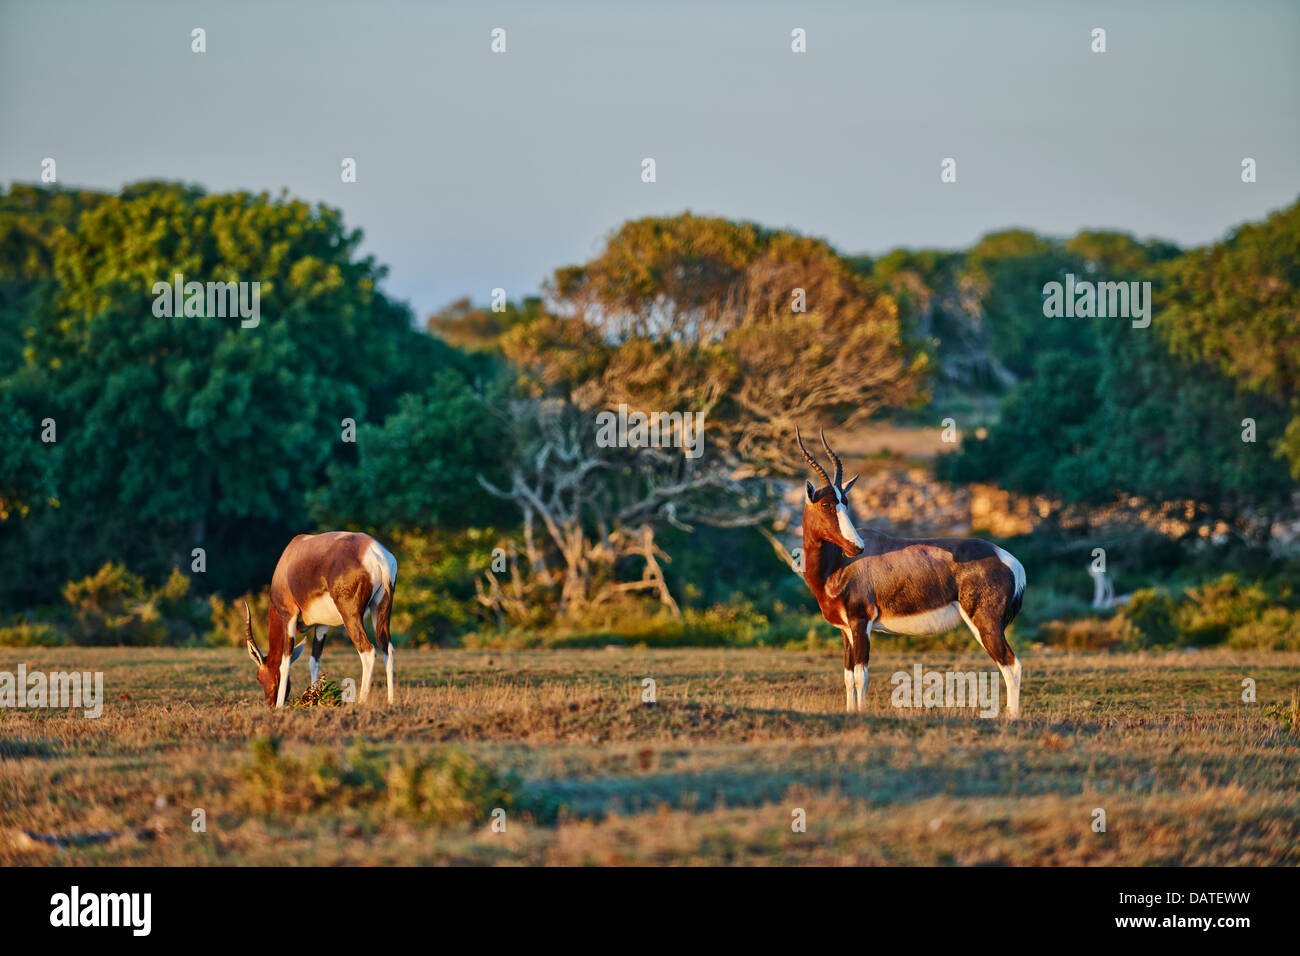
(382, 566)
(1017, 569)
(938, 621)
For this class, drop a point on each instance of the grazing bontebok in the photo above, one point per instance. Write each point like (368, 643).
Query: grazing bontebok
(323, 581)
(863, 579)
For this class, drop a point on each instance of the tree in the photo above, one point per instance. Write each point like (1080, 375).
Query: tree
(760, 329)
(193, 431)
(1142, 412)
(1236, 306)
(750, 330)
(418, 468)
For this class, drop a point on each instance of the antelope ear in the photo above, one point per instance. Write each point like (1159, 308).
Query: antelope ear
(297, 651)
(254, 653)
(847, 487)
(808, 492)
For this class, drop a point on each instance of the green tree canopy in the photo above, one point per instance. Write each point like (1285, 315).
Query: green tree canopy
(193, 431)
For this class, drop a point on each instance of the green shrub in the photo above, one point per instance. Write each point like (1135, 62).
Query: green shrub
(227, 622)
(1216, 607)
(1219, 610)
(444, 787)
(1276, 629)
(628, 623)
(274, 782)
(1149, 619)
(32, 634)
(447, 787)
(114, 606)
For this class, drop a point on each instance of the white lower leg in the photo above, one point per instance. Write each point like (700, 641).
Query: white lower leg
(283, 689)
(860, 685)
(388, 670)
(1011, 677)
(849, 703)
(313, 665)
(367, 671)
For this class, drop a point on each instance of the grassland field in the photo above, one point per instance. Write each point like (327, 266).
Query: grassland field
(712, 773)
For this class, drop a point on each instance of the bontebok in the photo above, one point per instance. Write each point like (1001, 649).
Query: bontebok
(323, 581)
(865, 580)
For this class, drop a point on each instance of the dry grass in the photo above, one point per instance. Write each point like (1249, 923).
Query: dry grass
(1186, 772)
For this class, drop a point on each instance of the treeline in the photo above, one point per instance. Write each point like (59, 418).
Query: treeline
(1202, 404)
(158, 465)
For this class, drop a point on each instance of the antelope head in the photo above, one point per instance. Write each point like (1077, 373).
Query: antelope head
(826, 510)
(268, 671)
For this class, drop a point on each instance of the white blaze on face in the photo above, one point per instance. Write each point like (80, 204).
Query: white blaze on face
(846, 526)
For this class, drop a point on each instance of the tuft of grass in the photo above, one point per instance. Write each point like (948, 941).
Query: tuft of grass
(1288, 715)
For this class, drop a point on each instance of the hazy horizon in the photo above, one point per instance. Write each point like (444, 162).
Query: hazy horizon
(478, 170)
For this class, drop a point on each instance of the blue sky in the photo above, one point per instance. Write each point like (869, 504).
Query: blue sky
(478, 170)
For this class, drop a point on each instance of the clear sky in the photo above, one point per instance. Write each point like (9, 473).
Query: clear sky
(478, 170)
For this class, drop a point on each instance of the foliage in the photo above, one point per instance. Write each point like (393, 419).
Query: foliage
(114, 606)
(1276, 629)
(1139, 411)
(1246, 615)
(1236, 305)
(703, 314)
(419, 467)
(435, 601)
(444, 787)
(190, 431)
(194, 432)
(1287, 713)
(321, 693)
(32, 634)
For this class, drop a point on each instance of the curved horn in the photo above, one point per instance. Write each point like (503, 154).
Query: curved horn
(812, 462)
(839, 465)
(254, 651)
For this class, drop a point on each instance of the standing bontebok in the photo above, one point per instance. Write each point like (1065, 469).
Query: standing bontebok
(863, 580)
(323, 581)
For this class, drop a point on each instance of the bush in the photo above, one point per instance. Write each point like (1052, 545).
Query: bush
(1276, 629)
(1215, 608)
(446, 787)
(1219, 610)
(1149, 619)
(722, 625)
(1085, 634)
(443, 787)
(227, 622)
(32, 634)
(113, 606)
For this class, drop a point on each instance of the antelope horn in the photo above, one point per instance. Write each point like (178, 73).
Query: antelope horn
(839, 465)
(248, 621)
(812, 462)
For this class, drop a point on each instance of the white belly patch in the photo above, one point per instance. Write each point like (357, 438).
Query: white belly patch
(930, 622)
(322, 610)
